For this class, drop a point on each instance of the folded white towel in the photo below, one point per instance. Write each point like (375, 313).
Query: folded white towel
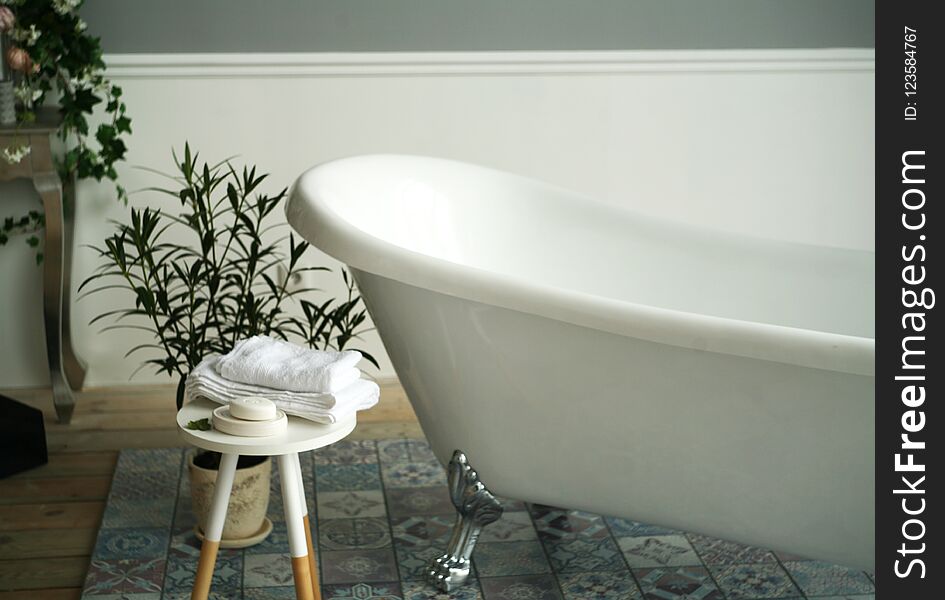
(205, 381)
(262, 360)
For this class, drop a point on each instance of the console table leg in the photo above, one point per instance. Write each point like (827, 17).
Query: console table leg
(73, 364)
(50, 192)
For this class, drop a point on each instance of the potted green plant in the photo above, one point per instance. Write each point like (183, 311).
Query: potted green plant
(206, 275)
(48, 52)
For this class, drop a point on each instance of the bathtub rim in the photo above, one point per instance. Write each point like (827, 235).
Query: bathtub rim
(324, 228)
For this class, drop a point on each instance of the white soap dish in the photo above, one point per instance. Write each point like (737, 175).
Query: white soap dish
(227, 423)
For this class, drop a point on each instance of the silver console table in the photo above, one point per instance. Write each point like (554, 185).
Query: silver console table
(66, 370)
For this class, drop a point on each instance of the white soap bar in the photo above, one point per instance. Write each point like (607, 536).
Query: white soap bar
(225, 422)
(253, 408)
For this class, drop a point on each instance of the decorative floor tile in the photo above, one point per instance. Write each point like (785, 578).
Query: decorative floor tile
(423, 531)
(184, 512)
(561, 523)
(184, 543)
(138, 512)
(142, 596)
(627, 528)
(658, 551)
(149, 460)
(601, 585)
(132, 543)
(306, 464)
(275, 481)
(413, 474)
(421, 452)
(353, 566)
(363, 591)
(340, 478)
(276, 510)
(511, 527)
(408, 502)
(817, 578)
(713, 551)
(341, 505)
(179, 577)
(677, 583)
(214, 595)
(269, 593)
(384, 513)
(140, 485)
(262, 570)
(578, 554)
(277, 541)
(524, 587)
(420, 590)
(751, 582)
(510, 558)
(392, 451)
(347, 452)
(787, 556)
(183, 486)
(413, 560)
(125, 576)
(352, 534)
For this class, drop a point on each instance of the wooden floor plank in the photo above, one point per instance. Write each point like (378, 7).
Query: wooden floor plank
(100, 399)
(29, 574)
(47, 543)
(63, 515)
(380, 431)
(56, 489)
(83, 441)
(77, 464)
(141, 420)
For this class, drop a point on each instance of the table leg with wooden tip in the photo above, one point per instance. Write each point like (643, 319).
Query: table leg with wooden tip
(313, 568)
(215, 521)
(292, 493)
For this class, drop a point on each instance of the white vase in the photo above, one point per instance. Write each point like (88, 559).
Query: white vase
(7, 103)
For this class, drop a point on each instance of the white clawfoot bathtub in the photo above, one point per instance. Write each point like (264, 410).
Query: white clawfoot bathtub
(594, 358)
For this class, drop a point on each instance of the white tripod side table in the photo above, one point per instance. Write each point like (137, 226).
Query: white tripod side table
(300, 436)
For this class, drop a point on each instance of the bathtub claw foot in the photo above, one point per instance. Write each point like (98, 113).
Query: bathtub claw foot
(476, 507)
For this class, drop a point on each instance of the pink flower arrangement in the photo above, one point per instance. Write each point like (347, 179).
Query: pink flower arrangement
(6, 19)
(19, 59)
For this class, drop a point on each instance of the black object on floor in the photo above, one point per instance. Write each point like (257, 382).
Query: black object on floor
(22, 437)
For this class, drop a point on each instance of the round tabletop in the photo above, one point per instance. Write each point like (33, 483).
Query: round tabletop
(299, 436)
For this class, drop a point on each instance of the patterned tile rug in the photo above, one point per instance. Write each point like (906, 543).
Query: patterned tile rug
(382, 511)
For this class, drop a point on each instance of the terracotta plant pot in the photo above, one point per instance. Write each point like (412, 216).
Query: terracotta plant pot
(246, 513)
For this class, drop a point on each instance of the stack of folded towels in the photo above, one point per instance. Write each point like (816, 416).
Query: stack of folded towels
(319, 385)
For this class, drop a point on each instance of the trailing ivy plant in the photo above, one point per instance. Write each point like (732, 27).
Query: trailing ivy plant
(227, 280)
(49, 52)
(28, 223)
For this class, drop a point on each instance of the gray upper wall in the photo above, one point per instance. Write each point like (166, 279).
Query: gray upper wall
(139, 26)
